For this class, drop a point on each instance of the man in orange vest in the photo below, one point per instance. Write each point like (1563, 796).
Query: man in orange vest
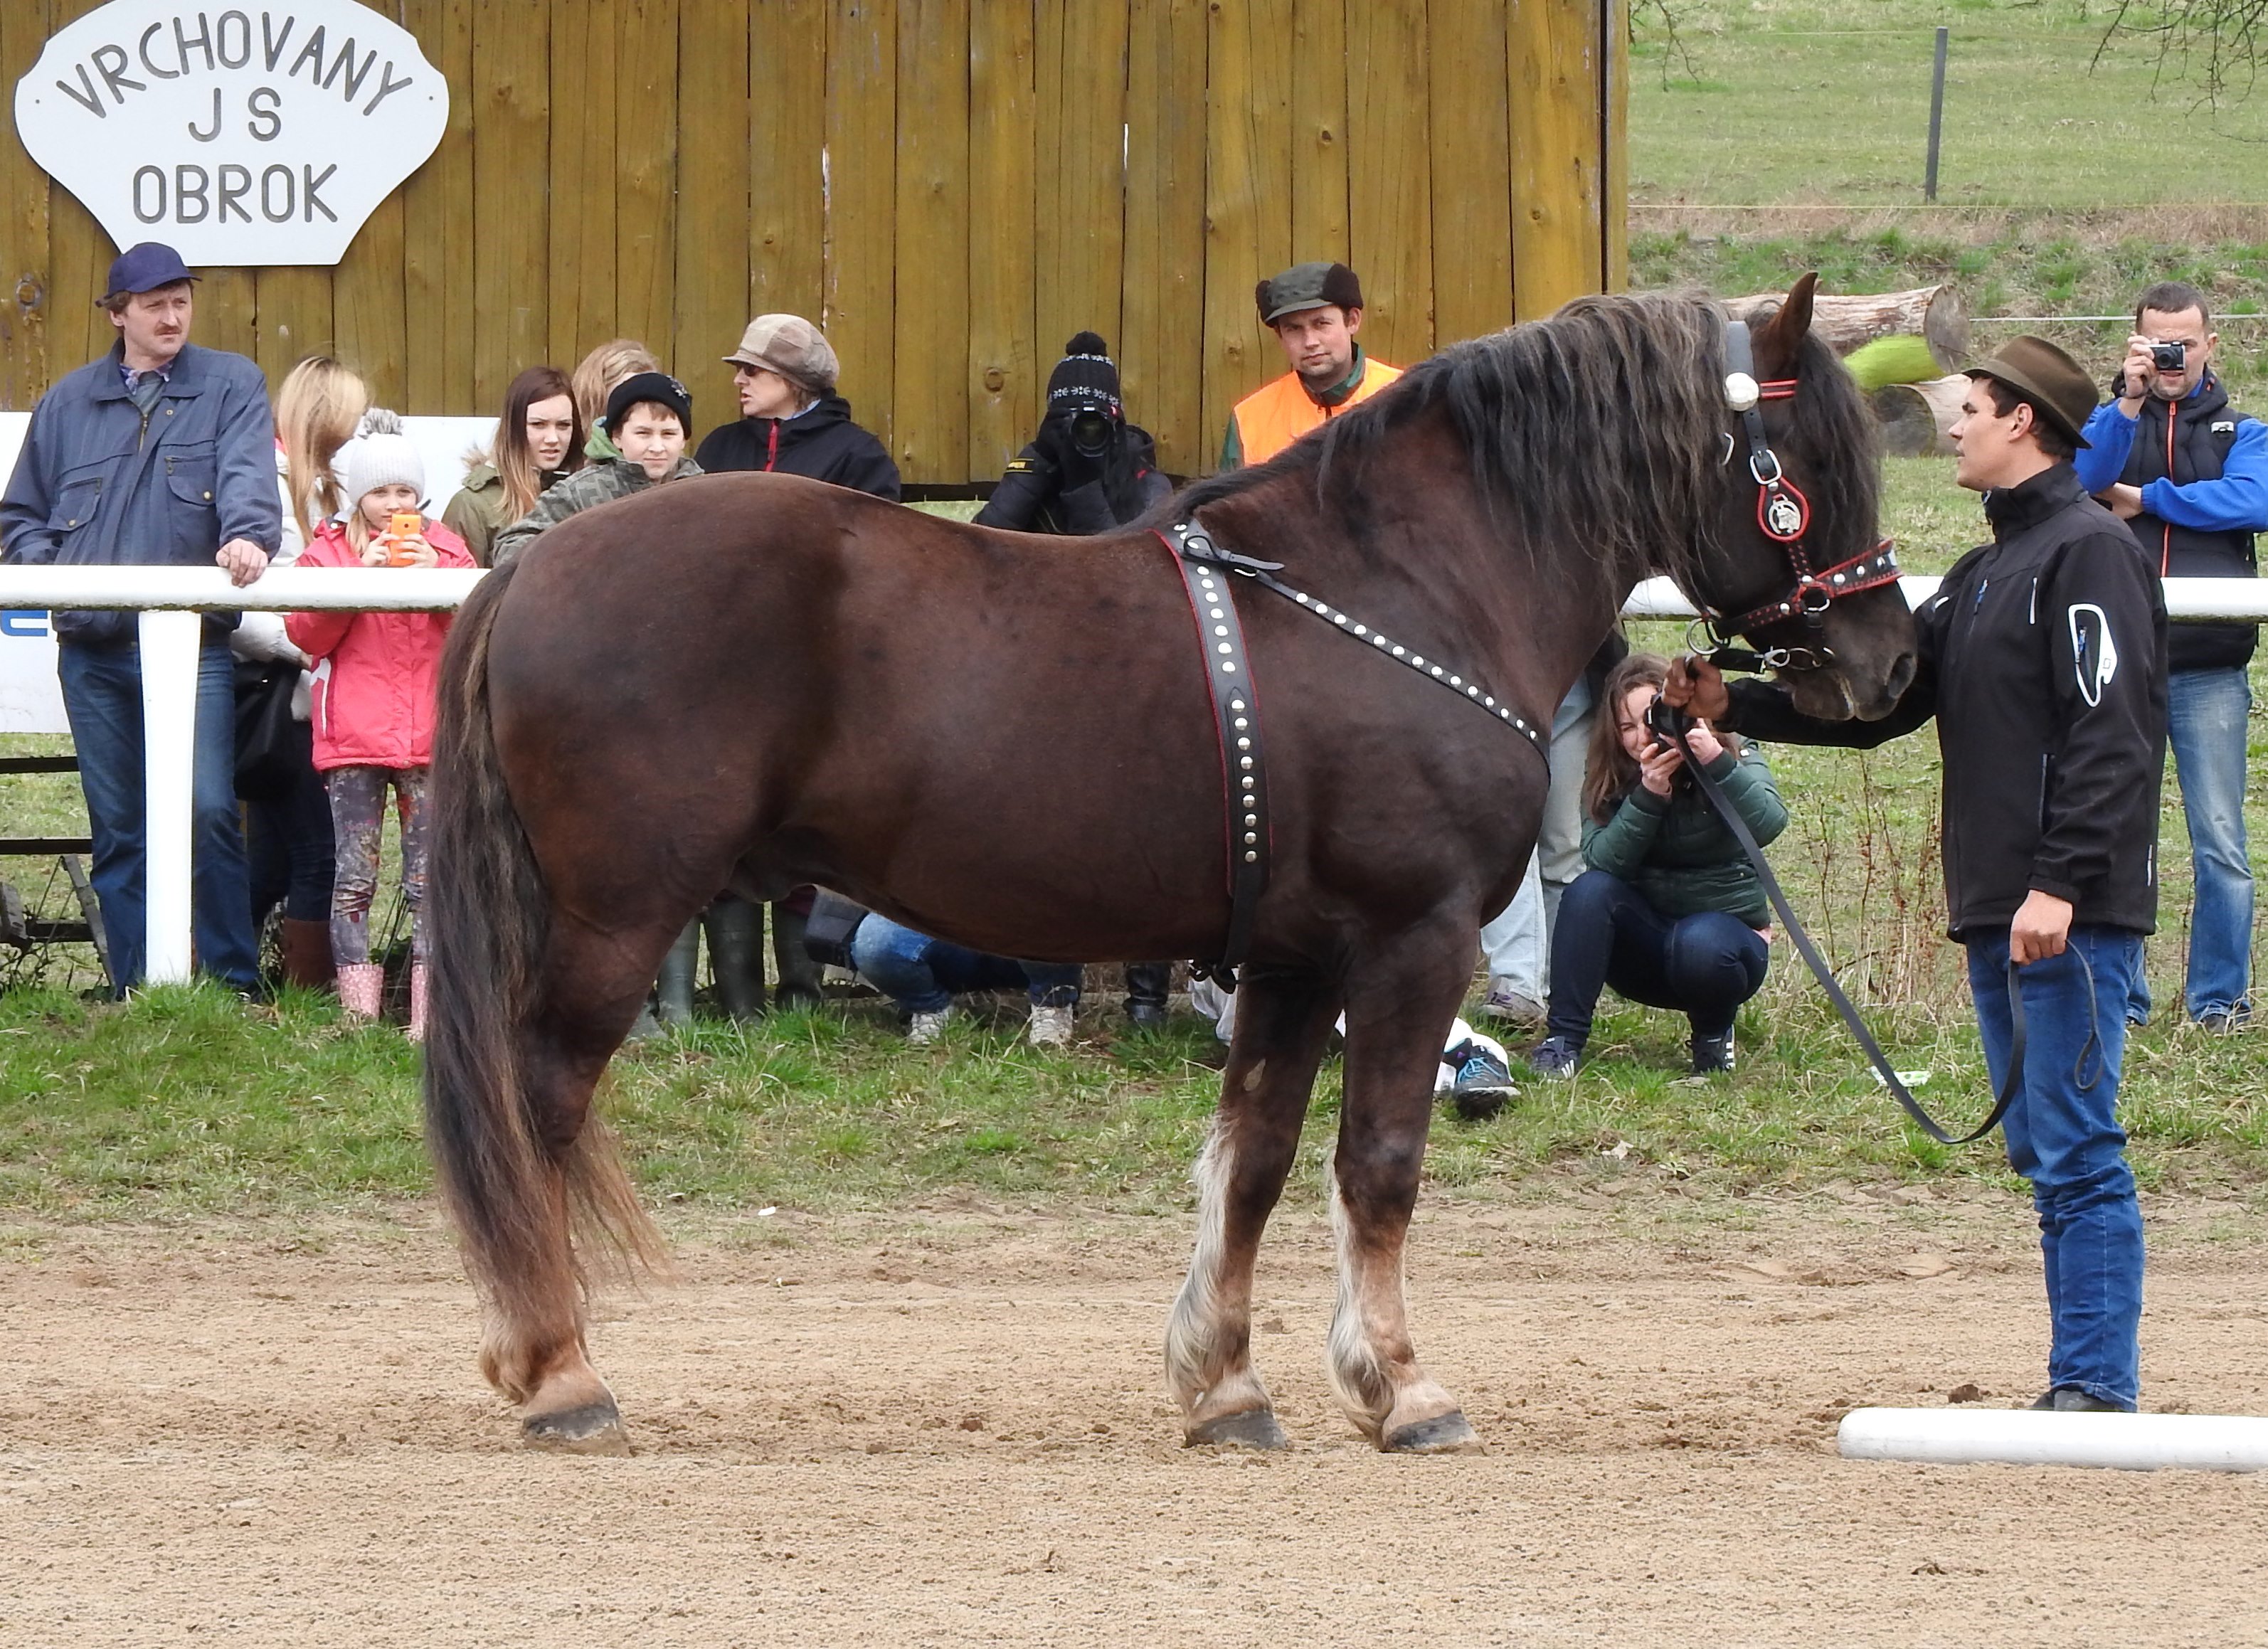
(1316, 310)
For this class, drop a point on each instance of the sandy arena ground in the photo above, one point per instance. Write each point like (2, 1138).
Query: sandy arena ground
(948, 1429)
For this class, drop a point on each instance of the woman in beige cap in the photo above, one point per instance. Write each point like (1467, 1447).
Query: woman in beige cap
(792, 419)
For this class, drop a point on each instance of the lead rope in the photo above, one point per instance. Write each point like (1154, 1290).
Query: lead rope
(2012, 1080)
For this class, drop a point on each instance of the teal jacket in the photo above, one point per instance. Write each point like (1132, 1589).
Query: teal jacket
(1676, 854)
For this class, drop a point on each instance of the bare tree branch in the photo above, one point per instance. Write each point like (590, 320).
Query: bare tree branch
(1666, 15)
(2211, 46)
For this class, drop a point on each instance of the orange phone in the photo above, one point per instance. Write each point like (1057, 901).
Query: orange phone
(406, 524)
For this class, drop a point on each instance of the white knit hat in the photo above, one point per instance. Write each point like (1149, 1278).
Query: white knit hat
(381, 455)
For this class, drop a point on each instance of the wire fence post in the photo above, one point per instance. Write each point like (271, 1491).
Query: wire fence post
(1936, 114)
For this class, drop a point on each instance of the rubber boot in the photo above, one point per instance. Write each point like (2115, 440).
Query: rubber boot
(416, 1002)
(1146, 984)
(799, 974)
(673, 990)
(307, 956)
(736, 956)
(362, 989)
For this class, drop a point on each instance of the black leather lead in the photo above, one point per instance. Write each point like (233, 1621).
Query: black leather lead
(2011, 1081)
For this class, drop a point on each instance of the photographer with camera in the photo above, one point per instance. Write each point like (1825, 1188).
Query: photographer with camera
(2189, 477)
(2043, 658)
(1087, 470)
(1669, 912)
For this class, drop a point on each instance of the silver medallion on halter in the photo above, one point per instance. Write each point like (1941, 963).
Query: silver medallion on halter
(1783, 516)
(1741, 391)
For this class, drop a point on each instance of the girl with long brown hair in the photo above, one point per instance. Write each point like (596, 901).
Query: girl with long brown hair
(1669, 911)
(537, 442)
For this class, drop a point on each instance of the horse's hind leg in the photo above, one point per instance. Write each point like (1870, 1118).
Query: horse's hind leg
(1281, 1024)
(589, 994)
(1400, 1004)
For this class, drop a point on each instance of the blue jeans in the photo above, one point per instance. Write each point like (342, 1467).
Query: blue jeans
(923, 975)
(2063, 1135)
(1704, 966)
(2205, 714)
(102, 694)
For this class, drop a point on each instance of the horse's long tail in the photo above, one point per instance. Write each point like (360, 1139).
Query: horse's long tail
(511, 1191)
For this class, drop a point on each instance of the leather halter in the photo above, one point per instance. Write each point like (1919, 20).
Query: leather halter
(1784, 516)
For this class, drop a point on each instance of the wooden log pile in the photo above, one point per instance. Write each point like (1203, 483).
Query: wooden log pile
(1916, 418)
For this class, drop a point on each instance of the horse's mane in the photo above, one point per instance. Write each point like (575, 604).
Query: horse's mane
(1603, 426)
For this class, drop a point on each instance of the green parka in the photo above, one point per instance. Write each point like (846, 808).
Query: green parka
(1676, 854)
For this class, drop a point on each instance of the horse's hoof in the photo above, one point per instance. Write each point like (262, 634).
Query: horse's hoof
(596, 1428)
(1449, 1433)
(1253, 1428)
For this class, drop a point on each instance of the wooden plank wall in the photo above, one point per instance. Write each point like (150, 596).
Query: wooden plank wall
(951, 187)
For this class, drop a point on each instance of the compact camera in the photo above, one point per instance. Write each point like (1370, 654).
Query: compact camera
(2168, 357)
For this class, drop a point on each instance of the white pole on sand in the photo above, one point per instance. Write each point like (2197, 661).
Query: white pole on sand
(2029, 1437)
(170, 641)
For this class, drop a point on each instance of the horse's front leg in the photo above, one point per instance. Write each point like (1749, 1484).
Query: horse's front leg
(1399, 1002)
(1281, 1024)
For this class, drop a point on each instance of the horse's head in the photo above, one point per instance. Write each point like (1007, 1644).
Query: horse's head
(1794, 565)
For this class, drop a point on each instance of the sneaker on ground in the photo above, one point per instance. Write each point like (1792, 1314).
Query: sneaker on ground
(1513, 1006)
(1050, 1028)
(1481, 1086)
(925, 1028)
(2222, 1021)
(1554, 1057)
(1712, 1056)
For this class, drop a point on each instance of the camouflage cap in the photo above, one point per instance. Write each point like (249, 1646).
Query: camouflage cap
(1308, 286)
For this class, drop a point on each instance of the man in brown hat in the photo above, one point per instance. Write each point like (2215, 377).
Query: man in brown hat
(1314, 309)
(792, 419)
(2042, 657)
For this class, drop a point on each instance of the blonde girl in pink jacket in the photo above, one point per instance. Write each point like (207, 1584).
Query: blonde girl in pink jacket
(374, 697)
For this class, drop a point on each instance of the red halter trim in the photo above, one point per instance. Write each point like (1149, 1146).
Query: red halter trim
(1878, 567)
(1777, 389)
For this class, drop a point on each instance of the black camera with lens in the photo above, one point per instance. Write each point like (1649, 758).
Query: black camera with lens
(1668, 723)
(2169, 357)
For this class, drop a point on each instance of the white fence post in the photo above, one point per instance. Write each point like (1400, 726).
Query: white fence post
(170, 643)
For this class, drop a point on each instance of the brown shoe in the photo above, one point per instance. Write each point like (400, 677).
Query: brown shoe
(307, 954)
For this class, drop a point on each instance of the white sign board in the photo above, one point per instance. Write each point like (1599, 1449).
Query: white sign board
(31, 700)
(238, 136)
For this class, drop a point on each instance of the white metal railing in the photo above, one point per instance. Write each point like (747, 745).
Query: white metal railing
(170, 599)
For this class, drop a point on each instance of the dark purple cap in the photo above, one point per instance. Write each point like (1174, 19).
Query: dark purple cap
(146, 268)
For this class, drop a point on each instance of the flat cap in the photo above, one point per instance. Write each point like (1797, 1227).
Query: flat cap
(793, 348)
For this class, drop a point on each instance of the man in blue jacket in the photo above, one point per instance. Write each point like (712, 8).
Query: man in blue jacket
(2190, 476)
(160, 454)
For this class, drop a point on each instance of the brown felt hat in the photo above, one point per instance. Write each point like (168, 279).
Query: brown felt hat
(2058, 387)
(793, 348)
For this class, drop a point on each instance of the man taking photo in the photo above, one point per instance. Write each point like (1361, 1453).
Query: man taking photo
(159, 453)
(1314, 309)
(2190, 476)
(2043, 659)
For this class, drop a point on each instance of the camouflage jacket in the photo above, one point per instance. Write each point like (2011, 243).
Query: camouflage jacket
(585, 489)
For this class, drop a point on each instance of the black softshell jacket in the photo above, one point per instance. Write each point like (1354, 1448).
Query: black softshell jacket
(821, 443)
(2043, 658)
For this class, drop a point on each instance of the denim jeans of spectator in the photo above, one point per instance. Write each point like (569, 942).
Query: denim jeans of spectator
(923, 975)
(1703, 965)
(288, 842)
(2206, 716)
(1516, 945)
(2063, 1136)
(102, 694)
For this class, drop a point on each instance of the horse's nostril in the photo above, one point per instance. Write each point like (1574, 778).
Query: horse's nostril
(1901, 678)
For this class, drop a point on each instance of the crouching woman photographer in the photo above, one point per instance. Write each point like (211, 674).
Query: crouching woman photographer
(1669, 910)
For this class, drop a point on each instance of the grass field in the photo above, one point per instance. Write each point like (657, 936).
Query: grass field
(187, 1103)
(1826, 102)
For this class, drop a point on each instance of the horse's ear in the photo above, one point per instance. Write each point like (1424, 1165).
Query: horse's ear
(1782, 336)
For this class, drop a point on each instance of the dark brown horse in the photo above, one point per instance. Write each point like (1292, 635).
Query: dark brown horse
(761, 681)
